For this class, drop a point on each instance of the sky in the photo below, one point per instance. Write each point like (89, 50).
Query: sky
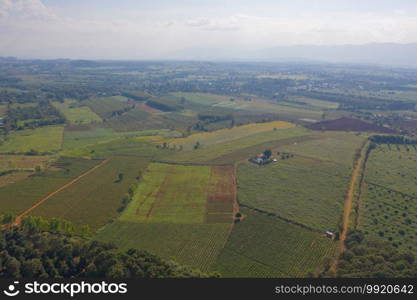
(157, 29)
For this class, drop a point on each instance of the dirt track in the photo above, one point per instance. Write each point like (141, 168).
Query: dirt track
(347, 209)
(18, 219)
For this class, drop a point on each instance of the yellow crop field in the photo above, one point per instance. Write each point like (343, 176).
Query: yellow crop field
(226, 134)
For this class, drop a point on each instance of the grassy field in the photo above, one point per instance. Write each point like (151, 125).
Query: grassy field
(304, 190)
(316, 103)
(388, 207)
(43, 139)
(166, 195)
(13, 178)
(263, 246)
(389, 215)
(338, 147)
(74, 139)
(196, 245)
(394, 167)
(210, 153)
(227, 134)
(76, 114)
(127, 146)
(255, 105)
(94, 199)
(23, 162)
(105, 106)
(17, 197)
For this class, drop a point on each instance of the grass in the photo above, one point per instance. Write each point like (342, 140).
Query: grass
(227, 134)
(210, 153)
(388, 207)
(95, 199)
(389, 215)
(75, 113)
(13, 178)
(255, 105)
(17, 197)
(394, 167)
(196, 245)
(84, 138)
(262, 246)
(127, 146)
(338, 147)
(304, 190)
(43, 140)
(23, 162)
(105, 106)
(166, 195)
(182, 194)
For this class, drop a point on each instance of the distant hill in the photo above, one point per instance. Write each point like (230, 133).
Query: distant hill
(349, 124)
(389, 54)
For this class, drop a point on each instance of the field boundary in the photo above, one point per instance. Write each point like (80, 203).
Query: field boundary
(274, 215)
(19, 217)
(190, 163)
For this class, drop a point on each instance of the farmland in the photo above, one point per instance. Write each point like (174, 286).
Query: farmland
(23, 162)
(300, 189)
(213, 152)
(76, 114)
(173, 158)
(196, 245)
(95, 199)
(264, 246)
(45, 139)
(158, 200)
(388, 196)
(226, 135)
(348, 124)
(17, 197)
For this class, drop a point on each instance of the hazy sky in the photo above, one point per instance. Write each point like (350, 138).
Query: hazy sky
(160, 28)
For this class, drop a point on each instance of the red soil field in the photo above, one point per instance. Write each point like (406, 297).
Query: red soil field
(221, 195)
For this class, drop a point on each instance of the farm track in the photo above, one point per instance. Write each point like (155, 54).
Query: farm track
(357, 174)
(19, 217)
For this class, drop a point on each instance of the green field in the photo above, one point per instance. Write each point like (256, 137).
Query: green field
(17, 197)
(394, 167)
(95, 199)
(105, 106)
(338, 147)
(388, 209)
(159, 200)
(74, 139)
(210, 153)
(23, 162)
(196, 245)
(256, 105)
(263, 246)
(75, 113)
(43, 139)
(304, 190)
(227, 134)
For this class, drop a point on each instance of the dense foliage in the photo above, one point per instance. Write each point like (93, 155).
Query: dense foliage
(36, 254)
(374, 259)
